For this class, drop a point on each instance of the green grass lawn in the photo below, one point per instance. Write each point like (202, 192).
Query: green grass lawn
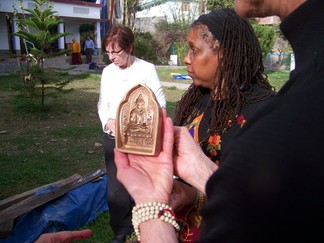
(165, 75)
(38, 148)
(276, 78)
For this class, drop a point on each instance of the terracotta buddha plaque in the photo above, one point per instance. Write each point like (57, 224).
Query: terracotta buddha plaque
(139, 122)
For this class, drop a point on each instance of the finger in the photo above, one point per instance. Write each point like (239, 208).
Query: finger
(82, 234)
(122, 164)
(168, 134)
(64, 236)
(121, 159)
(177, 134)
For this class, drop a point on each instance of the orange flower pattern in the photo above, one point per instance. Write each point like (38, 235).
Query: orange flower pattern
(189, 217)
(212, 147)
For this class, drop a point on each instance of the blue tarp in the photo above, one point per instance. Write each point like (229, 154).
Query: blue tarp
(69, 212)
(182, 77)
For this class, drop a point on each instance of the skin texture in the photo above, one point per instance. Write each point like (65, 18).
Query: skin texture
(251, 8)
(111, 125)
(123, 59)
(201, 60)
(264, 8)
(64, 236)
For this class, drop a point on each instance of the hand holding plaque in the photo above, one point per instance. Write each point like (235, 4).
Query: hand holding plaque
(139, 122)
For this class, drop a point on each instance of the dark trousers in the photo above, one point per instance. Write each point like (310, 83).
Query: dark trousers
(88, 55)
(119, 200)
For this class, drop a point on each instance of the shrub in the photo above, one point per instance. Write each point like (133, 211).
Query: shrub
(145, 47)
(266, 36)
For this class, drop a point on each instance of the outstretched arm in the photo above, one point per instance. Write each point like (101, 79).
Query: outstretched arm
(64, 236)
(150, 179)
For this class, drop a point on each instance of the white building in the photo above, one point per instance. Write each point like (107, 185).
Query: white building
(73, 12)
(154, 11)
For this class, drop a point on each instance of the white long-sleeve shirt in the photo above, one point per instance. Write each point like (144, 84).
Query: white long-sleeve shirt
(115, 82)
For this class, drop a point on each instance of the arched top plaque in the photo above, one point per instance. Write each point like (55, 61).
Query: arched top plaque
(139, 122)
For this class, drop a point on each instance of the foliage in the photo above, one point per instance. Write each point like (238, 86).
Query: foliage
(56, 82)
(145, 46)
(218, 4)
(130, 9)
(171, 35)
(37, 29)
(282, 47)
(181, 50)
(166, 34)
(266, 36)
(183, 18)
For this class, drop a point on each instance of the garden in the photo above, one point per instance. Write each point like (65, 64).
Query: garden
(39, 147)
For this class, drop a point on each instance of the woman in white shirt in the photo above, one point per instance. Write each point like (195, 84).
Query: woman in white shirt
(122, 74)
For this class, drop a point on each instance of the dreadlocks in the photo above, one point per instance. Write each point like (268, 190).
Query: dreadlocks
(240, 67)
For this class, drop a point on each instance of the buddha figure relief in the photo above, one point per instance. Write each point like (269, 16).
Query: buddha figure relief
(138, 128)
(138, 122)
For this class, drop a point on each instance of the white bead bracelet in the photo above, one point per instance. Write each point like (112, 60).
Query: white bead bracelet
(152, 210)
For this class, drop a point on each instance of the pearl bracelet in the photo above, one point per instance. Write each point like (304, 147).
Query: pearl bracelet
(152, 210)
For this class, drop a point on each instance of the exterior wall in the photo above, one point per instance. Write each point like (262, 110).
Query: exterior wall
(172, 11)
(65, 8)
(4, 45)
(75, 11)
(73, 28)
(147, 24)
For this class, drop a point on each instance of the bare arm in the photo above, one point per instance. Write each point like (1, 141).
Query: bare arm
(157, 231)
(150, 178)
(64, 236)
(190, 162)
(151, 181)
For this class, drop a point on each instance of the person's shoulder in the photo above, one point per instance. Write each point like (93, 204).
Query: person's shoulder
(252, 108)
(143, 62)
(109, 67)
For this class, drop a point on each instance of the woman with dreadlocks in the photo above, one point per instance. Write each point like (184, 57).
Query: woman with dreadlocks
(225, 62)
